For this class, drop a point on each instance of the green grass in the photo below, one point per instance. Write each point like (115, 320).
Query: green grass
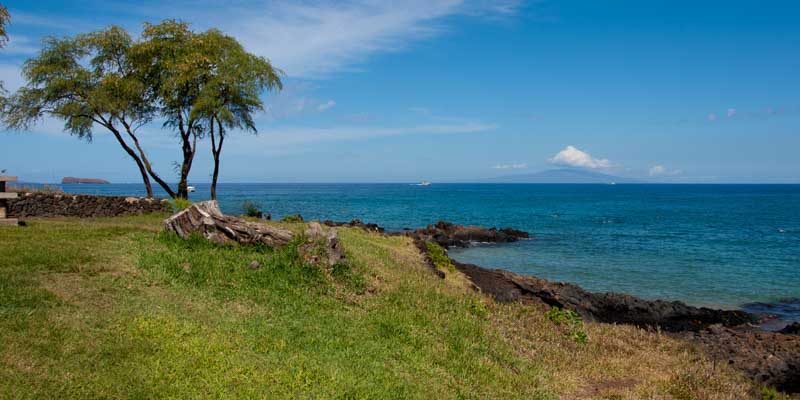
(114, 308)
(439, 257)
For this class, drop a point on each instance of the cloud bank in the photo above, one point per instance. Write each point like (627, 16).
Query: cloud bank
(660, 170)
(572, 157)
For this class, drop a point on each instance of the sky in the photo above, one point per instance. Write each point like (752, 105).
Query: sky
(455, 91)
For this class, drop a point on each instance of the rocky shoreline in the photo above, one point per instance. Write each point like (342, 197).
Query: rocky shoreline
(729, 336)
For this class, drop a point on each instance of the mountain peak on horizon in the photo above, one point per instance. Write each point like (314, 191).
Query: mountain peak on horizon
(563, 175)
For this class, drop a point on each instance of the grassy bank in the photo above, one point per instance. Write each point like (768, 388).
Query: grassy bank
(113, 308)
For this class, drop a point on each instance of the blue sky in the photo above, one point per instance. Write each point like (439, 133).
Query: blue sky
(443, 90)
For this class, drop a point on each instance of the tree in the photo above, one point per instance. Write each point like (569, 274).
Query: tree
(231, 93)
(5, 18)
(198, 84)
(85, 81)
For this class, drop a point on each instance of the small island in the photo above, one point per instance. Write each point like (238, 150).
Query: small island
(72, 180)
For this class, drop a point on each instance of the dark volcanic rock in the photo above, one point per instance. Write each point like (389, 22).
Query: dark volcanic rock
(768, 357)
(447, 234)
(85, 206)
(672, 316)
(792, 329)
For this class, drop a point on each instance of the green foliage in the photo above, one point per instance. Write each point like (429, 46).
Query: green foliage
(478, 308)
(4, 19)
(769, 393)
(571, 320)
(439, 257)
(292, 218)
(250, 209)
(180, 204)
(106, 78)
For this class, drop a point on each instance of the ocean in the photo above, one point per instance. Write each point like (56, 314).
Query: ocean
(726, 246)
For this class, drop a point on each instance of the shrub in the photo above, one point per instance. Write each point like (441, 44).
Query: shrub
(180, 204)
(251, 209)
(478, 308)
(293, 218)
(439, 257)
(571, 320)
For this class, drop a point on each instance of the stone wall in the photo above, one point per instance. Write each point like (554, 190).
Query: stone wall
(81, 205)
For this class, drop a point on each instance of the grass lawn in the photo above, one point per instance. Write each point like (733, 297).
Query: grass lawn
(114, 308)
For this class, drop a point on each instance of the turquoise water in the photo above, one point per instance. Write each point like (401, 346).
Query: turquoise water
(717, 245)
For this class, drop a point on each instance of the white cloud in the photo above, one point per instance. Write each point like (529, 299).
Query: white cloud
(272, 139)
(657, 170)
(572, 157)
(326, 105)
(660, 170)
(315, 39)
(11, 76)
(21, 45)
(511, 166)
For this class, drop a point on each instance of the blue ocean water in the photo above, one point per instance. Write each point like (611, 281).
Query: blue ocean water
(715, 245)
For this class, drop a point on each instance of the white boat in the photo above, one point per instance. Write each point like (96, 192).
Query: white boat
(190, 189)
(423, 183)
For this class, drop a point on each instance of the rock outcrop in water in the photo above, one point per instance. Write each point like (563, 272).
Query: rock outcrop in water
(672, 316)
(447, 234)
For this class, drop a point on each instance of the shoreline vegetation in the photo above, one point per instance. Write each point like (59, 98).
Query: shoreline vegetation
(115, 307)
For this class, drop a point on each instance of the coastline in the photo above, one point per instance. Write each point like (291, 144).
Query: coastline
(736, 337)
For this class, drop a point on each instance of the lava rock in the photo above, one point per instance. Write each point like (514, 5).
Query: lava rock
(791, 329)
(448, 234)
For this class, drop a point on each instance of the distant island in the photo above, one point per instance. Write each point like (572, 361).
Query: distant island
(72, 180)
(564, 175)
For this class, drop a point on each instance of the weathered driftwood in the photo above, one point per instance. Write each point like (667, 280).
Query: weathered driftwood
(207, 220)
(322, 246)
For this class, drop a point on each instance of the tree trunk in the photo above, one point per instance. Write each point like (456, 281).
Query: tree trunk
(216, 150)
(146, 162)
(206, 219)
(145, 178)
(188, 148)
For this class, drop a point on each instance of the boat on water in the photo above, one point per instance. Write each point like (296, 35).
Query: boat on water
(423, 183)
(190, 189)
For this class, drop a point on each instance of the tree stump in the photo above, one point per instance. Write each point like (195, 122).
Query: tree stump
(207, 220)
(321, 246)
